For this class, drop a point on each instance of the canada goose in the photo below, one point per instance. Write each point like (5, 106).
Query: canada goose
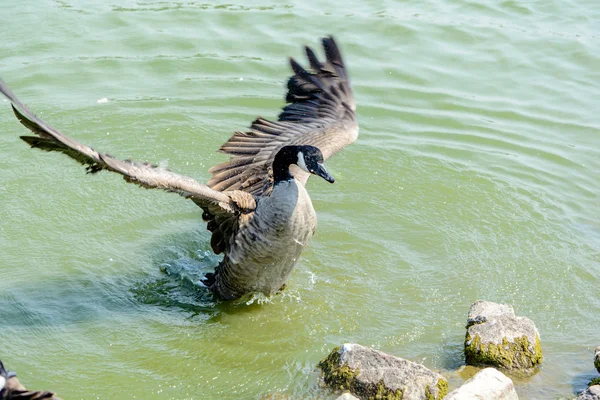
(12, 389)
(256, 206)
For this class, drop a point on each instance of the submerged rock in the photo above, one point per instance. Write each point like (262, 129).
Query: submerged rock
(591, 393)
(488, 384)
(369, 373)
(497, 337)
(597, 358)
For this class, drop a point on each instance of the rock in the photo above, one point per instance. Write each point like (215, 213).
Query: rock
(347, 396)
(369, 373)
(597, 358)
(498, 338)
(591, 393)
(487, 384)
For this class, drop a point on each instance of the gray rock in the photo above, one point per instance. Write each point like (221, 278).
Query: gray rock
(482, 311)
(369, 373)
(597, 358)
(497, 337)
(591, 393)
(487, 384)
(347, 396)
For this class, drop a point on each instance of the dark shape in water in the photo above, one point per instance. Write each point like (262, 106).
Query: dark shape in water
(12, 389)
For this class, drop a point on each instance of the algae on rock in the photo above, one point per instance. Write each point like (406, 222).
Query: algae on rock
(442, 388)
(515, 355)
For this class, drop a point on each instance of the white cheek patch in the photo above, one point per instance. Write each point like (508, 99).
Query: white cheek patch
(301, 162)
(2, 382)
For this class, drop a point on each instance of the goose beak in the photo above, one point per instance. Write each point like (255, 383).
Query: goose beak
(323, 173)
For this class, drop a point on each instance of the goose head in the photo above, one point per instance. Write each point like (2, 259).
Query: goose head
(307, 158)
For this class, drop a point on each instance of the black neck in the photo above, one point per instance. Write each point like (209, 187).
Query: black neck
(287, 156)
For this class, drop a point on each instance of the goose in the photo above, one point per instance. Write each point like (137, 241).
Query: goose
(256, 205)
(12, 389)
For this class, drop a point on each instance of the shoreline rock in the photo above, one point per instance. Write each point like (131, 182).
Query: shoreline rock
(369, 373)
(591, 393)
(497, 337)
(489, 384)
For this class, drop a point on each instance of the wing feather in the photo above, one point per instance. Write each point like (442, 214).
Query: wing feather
(144, 174)
(321, 112)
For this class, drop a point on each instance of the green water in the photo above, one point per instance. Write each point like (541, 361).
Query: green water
(475, 176)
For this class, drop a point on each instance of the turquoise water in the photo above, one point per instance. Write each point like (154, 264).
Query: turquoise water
(475, 177)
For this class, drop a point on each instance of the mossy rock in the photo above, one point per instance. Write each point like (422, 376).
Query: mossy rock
(496, 337)
(509, 355)
(372, 374)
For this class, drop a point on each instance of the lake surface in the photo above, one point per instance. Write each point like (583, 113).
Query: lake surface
(475, 176)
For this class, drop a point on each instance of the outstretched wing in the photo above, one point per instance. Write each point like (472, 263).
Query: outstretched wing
(321, 112)
(143, 174)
